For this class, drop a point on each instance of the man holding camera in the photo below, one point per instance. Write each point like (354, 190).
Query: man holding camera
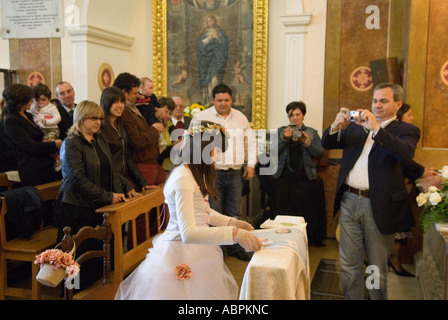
(371, 193)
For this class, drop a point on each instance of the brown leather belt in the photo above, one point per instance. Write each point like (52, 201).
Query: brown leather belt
(363, 193)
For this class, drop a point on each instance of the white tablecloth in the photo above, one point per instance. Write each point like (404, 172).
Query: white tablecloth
(279, 272)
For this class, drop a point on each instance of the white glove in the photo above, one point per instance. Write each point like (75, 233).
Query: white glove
(248, 240)
(240, 224)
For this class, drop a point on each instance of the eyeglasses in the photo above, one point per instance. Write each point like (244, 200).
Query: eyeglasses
(95, 118)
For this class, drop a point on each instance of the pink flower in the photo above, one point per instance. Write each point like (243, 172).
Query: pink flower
(55, 257)
(183, 272)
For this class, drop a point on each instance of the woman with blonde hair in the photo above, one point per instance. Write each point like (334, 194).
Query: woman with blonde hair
(90, 181)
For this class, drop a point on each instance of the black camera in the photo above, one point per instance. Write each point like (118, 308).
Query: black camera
(354, 116)
(296, 132)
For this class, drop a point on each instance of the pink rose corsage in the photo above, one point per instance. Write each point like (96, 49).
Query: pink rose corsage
(183, 272)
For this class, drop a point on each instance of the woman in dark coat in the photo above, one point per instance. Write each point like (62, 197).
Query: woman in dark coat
(112, 103)
(34, 161)
(298, 189)
(90, 181)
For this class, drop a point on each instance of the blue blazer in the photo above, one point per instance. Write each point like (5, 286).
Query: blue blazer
(393, 147)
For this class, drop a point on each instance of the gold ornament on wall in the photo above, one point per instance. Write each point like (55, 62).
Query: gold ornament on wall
(361, 79)
(34, 78)
(444, 73)
(105, 76)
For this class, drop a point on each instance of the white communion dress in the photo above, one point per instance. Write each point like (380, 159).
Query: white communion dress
(189, 241)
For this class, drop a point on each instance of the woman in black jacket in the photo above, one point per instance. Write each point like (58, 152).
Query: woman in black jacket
(112, 103)
(34, 161)
(90, 181)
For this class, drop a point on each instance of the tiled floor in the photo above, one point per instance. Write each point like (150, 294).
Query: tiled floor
(399, 288)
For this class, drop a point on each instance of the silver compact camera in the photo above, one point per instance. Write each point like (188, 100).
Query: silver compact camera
(296, 132)
(354, 116)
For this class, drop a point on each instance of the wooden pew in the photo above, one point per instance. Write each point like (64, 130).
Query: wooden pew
(5, 182)
(26, 249)
(129, 211)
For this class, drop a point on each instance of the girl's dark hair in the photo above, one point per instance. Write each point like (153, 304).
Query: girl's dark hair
(204, 173)
(41, 89)
(403, 109)
(296, 105)
(17, 95)
(109, 96)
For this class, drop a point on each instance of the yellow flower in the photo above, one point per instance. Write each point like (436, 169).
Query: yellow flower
(422, 199)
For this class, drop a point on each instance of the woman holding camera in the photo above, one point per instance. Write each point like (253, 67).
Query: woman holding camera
(298, 190)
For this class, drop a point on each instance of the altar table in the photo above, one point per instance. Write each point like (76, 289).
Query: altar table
(279, 272)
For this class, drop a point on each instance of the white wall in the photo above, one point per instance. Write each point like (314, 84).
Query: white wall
(314, 64)
(313, 91)
(4, 48)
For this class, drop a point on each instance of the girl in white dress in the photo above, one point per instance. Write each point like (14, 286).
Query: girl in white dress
(186, 261)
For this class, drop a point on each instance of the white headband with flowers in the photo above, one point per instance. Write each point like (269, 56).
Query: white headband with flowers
(212, 129)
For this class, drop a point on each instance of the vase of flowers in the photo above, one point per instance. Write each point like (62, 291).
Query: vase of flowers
(56, 265)
(192, 110)
(435, 202)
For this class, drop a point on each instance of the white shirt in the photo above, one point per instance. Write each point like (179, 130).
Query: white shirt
(242, 137)
(174, 121)
(50, 113)
(357, 177)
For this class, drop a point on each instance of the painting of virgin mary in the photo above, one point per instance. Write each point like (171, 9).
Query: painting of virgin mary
(212, 51)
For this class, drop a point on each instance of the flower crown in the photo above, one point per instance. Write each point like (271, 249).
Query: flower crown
(212, 129)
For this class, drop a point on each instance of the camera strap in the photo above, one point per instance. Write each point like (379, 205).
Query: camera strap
(339, 132)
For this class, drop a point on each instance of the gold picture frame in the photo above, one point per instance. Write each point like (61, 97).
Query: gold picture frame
(258, 82)
(105, 76)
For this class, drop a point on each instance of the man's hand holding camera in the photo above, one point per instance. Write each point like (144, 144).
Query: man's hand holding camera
(297, 134)
(361, 117)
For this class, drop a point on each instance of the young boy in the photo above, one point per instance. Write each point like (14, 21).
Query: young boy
(46, 116)
(147, 102)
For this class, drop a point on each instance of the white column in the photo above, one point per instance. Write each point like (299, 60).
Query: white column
(83, 38)
(80, 83)
(295, 22)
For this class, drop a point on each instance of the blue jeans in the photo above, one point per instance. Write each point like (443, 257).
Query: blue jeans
(359, 236)
(229, 186)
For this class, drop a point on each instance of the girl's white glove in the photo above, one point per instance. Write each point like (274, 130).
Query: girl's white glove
(240, 224)
(248, 240)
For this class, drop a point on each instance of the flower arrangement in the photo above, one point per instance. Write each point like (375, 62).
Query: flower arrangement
(183, 272)
(194, 109)
(58, 259)
(435, 201)
(213, 129)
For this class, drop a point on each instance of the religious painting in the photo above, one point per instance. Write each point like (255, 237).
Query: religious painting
(105, 76)
(199, 44)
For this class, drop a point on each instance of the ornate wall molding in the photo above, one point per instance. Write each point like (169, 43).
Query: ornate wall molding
(102, 37)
